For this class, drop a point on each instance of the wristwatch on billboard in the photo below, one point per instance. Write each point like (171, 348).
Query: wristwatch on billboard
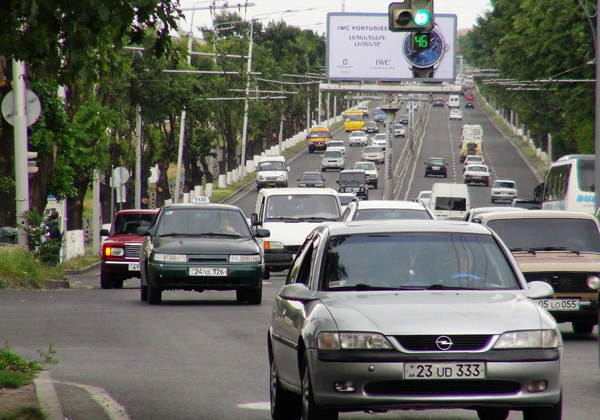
(424, 61)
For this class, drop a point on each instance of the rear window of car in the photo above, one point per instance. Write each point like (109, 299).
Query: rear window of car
(436, 162)
(333, 154)
(504, 184)
(416, 260)
(391, 214)
(128, 223)
(451, 204)
(526, 234)
(477, 168)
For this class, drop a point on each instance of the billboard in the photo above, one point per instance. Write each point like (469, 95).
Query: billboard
(361, 47)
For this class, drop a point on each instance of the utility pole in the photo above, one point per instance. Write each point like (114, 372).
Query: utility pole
(597, 115)
(21, 141)
(247, 102)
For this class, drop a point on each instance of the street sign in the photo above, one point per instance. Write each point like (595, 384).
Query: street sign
(33, 107)
(120, 176)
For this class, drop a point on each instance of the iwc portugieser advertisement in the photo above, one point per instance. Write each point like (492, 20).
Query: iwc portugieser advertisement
(361, 47)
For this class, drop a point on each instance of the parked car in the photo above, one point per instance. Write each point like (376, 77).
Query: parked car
(358, 138)
(373, 154)
(503, 190)
(311, 180)
(354, 181)
(371, 172)
(436, 166)
(399, 130)
(438, 103)
(411, 315)
(371, 127)
(455, 114)
(333, 159)
(469, 104)
(120, 256)
(477, 174)
(560, 248)
(386, 210)
(199, 247)
(379, 140)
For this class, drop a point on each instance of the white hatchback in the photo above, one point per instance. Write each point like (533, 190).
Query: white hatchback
(477, 174)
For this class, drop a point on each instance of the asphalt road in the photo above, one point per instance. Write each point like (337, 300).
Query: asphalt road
(204, 356)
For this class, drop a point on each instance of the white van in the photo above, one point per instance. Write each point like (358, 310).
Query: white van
(449, 200)
(453, 101)
(271, 171)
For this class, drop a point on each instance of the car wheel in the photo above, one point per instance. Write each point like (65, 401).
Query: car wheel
(241, 295)
(445, 175)
(117, 284)
(582, 327)
(310, 150)
(106, 280)
(255, 295)
(323, 169)
(310, 410)
(267, 274)
(492, 413)
(154, 295)
(553, 412)
(143, 292)
(284, 404)
(426, 175)
(376, 185)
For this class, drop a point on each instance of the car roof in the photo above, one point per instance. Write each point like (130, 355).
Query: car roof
(474, 157)
(403, 226)
(204, 206)
(298, 191)
(505, 180)
(537, 214)
(352, 171)
(389, 204)
(138, 211)
(311, 173)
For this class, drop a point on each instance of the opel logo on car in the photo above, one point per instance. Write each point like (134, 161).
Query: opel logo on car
(444, 343)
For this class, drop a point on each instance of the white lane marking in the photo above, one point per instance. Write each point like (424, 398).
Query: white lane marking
(256, 406)
(113, 409)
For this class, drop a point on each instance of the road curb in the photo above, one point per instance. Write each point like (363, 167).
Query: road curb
(47, 396)
(73, 271)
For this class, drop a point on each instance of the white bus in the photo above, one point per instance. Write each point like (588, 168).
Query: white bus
(569, 184)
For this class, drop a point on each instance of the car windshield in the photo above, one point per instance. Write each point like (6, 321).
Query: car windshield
(352, 177)
(332, 154)
(202, 222)
(380, 137)
(128, 223)
(477, 169)
(504, 184)
(367, 166)
(358, 134)
(538, 234)
(318, 134)
(416, 261)
(391, 214)
(372, 150)
(436, 162)
(299, 207)
(311, 177)
(271, 166)
(335, 144)
(354, 117)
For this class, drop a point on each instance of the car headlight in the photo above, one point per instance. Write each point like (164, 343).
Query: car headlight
(244, 258)
(281, 177)
(170, 257)
(320, 184)
(261, 178)
(593, 282)
(535, 339)
(352, 341)
(114, 252)
(273, 245)
(302, 185)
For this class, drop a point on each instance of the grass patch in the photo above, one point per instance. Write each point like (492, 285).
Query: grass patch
(20, 270)
(80, 262)
(26, 413)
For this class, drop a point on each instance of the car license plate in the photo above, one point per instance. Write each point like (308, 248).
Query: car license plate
(559, 304)
(208, 271)
(271, 184)
(134, 267)
(435, 168)
(467, 370)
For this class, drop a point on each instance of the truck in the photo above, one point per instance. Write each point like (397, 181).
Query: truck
(318, 137)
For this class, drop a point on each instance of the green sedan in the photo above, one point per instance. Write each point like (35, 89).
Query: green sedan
(201, 247)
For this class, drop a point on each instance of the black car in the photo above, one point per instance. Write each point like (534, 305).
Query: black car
(438, 103)
(311, 180)
(436, 166)
(371, 127)
(402, 119)
(469, 104)
(200, 247)
(354, 181)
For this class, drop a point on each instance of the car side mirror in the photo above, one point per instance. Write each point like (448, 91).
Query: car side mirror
(538, 289)
(337, 182)
(296, 291)
(298, 179)
(288, 168)
(262, 233)
(254, 220)
(104, 232)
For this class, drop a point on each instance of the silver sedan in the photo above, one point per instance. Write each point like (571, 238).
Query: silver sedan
(378, 316)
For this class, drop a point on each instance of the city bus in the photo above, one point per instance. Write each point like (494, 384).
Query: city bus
(569, 184)
(354, 120)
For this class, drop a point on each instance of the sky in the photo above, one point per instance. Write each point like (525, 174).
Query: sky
(312, 14)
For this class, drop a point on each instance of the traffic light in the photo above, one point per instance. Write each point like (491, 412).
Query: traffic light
(411, 16)
(31, 163)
